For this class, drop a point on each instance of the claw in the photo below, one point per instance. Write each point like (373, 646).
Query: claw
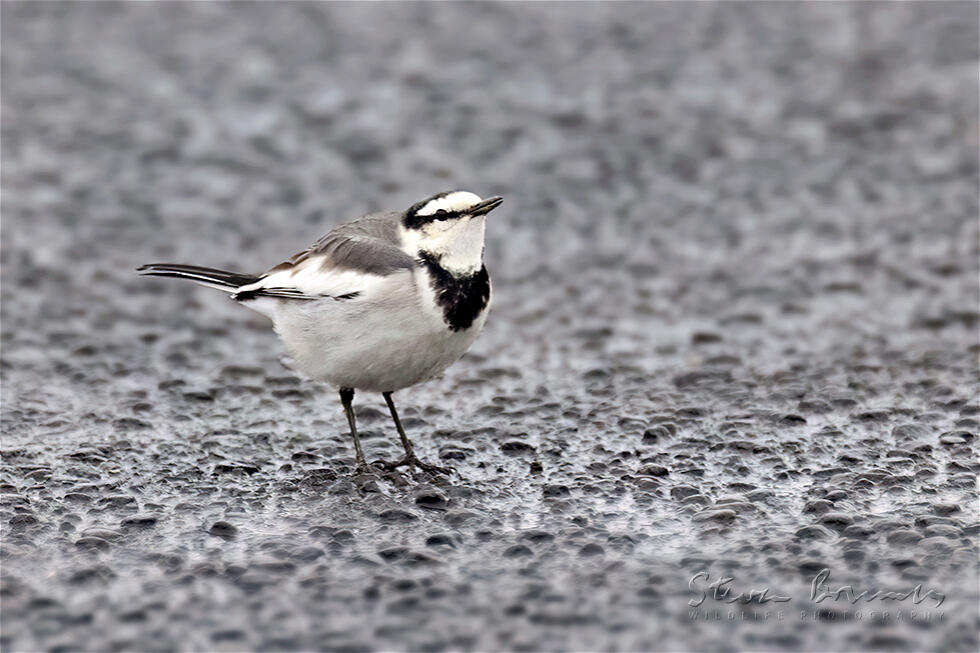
(414, 462)
(362, 468)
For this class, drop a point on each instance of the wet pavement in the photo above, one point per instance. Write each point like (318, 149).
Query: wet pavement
(735, 330)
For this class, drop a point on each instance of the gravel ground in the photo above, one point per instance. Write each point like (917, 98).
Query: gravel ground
(735, 329)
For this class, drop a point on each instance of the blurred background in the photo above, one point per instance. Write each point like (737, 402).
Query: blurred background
(734, 328)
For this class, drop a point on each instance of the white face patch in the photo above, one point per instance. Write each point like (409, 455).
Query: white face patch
(457, 243)
(453, 202)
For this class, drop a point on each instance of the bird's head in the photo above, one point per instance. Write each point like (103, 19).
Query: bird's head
(449, 227)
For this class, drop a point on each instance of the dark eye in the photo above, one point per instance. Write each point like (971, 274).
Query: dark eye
(441, 212)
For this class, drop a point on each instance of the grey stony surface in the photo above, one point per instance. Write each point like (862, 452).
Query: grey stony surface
(735, 326)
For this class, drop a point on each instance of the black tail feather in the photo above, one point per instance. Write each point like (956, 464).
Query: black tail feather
(207, 276)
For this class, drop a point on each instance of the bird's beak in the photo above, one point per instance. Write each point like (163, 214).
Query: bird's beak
(485, 206)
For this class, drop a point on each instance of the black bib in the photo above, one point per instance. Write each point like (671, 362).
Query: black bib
(462, 299)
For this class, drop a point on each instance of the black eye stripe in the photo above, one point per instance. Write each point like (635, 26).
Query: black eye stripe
(413, 220)
(443, 214)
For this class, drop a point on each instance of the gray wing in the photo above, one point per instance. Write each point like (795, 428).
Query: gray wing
(370, 244)
(342, 265)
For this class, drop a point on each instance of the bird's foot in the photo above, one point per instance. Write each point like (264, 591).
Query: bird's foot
(412, 462)
(361, 468)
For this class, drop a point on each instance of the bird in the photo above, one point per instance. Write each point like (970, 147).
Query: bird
(378, 304)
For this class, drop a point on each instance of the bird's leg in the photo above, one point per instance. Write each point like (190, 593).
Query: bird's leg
(406, 443)
(347, 398)
(409, 458)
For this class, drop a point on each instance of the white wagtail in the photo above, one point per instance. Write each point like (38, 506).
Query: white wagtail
(381, 303)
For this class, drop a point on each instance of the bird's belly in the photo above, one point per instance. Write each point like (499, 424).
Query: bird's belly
(365, 346)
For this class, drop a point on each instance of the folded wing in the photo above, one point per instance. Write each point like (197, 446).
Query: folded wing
(342, 265)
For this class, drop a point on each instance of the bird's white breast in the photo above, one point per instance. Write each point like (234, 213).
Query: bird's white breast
(390, 337)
